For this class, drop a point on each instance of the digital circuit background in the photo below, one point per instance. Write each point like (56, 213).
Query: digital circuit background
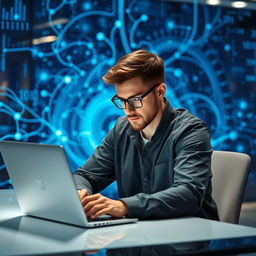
(54, 53)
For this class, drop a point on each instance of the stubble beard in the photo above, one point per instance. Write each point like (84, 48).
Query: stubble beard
(140, 126)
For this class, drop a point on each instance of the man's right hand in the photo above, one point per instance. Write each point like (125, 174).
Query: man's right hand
(82, 193)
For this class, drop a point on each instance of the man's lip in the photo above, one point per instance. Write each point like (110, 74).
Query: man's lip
(133, 118)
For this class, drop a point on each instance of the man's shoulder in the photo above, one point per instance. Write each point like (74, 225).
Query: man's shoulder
(183, 116)
(185, 122)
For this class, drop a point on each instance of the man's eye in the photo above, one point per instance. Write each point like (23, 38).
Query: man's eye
(136, 99)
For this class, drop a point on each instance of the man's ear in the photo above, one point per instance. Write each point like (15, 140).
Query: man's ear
(161, 90)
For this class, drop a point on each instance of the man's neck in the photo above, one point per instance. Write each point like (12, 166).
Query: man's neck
(149, 131)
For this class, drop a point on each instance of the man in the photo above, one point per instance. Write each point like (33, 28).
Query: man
(159, 156)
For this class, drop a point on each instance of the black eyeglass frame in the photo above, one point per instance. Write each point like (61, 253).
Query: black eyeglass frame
(138, 98)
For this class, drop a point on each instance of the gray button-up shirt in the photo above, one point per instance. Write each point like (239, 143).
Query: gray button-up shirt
(169, 177)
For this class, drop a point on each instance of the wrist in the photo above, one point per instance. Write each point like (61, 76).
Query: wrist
(124, 207)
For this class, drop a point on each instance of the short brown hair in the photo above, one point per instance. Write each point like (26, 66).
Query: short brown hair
(141, 63)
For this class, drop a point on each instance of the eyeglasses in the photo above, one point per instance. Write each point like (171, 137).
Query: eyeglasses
(133, 101)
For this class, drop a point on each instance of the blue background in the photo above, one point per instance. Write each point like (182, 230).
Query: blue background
(52, 92)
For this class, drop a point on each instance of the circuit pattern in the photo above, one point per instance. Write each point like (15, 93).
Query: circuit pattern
(209, 61)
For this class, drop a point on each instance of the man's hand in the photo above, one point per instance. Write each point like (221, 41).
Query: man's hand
(82, 193)
(97, 204)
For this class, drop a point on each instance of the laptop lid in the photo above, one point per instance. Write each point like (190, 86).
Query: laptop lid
(42, 181)
(44, 184)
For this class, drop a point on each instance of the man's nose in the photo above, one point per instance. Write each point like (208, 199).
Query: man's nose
(129, 108)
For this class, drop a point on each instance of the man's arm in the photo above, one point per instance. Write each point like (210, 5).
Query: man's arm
(99, 171)
(191, 178)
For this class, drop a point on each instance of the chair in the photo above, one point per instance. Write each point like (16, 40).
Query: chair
(230, 172)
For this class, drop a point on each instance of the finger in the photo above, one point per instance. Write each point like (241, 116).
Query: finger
(100, 212)
(82, 193)
(90, 198)
(95, 209)
(85, 201)
(91, 204)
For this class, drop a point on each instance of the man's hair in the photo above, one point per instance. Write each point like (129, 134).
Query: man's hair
(146, 65)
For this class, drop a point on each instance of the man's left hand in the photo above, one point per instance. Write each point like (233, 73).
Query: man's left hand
(97, 205)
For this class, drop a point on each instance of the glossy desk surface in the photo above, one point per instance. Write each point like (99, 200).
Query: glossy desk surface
(23, 235)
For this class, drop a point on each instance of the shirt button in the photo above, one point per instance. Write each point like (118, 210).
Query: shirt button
(145, 179)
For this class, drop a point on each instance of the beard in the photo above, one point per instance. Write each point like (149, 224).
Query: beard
(140, 122)
(139, 125)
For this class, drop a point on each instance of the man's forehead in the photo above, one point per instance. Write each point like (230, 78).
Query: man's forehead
(130, 91)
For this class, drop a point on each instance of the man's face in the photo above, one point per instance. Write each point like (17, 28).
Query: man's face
(140, 118)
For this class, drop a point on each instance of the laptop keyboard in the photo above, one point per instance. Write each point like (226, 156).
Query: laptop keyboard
(102, 219)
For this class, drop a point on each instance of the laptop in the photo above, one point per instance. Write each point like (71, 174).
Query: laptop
(44, 184)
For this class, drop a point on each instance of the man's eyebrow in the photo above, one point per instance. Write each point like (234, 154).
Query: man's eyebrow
(135, 95)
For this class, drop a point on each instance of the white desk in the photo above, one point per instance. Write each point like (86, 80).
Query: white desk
(30, 236)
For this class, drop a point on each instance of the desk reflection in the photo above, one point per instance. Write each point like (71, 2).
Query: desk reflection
(167, 249)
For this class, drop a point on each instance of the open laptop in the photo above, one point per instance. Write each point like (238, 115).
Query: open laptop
(44, 184)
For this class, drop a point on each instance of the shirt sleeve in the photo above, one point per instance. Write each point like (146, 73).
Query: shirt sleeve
(192, 175)
(99, 171)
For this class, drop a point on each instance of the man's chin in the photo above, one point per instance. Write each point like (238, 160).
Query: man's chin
(137, 128)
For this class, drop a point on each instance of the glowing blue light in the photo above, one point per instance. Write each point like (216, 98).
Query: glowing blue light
(208, 26)
(87, 6)
(63, 44)
(64, 139)
(69, 57)
(240, 148)
(90, 45)
(239, 114)
(46, 109)
(43, 135)
(127, 10)
(17, 136)
(51, 11)
(243, 105)
(58, 132)
(16, 16)
(100, 36)
(133, 45)
(40, 55)
(64, 115)
(170, 24)
(227, 47)
(195, 78)
(100, 87)
(178, 72)
(93, 61)
(1, 104)
(43, 93)
(17, 116)
(82, 73)
(118, 23)
(111, 62)
(176, 55)
(144, 17)
(43, 76)
(67, 79)
(233, 135)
